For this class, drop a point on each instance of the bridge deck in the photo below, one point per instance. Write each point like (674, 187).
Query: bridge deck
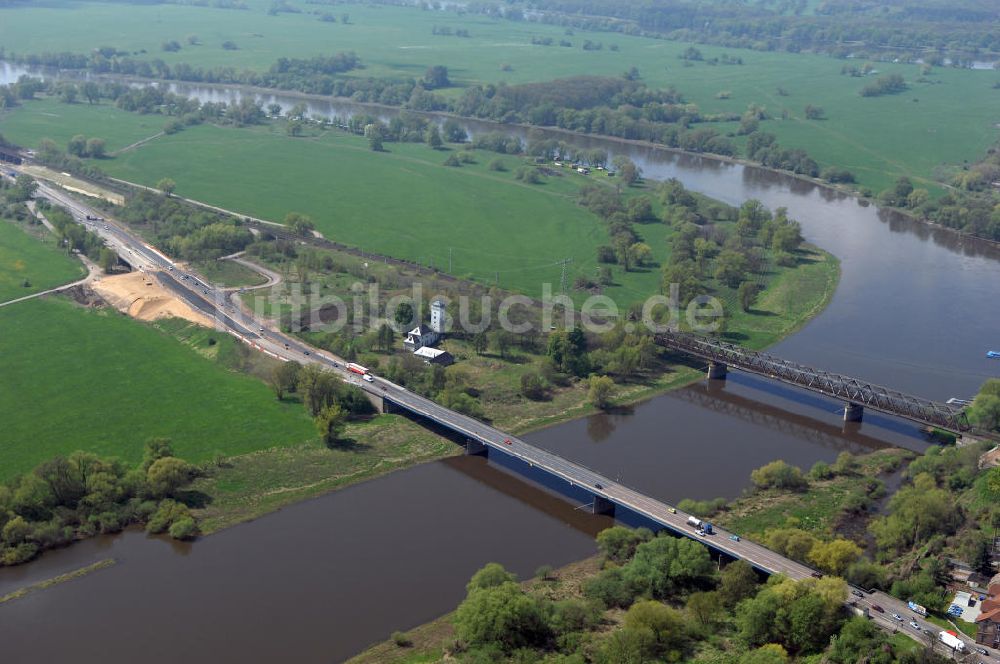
(846, 388)
(577, 475)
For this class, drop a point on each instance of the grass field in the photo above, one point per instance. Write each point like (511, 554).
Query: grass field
(60, 122)
(78, 379)
(877, 138)
(403, 202)
(34, 261)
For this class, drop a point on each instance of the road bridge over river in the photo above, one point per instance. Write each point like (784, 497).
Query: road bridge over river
(856, 394)
(605, 495)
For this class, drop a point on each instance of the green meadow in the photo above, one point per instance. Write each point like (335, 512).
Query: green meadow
(469, 221)
(78, 379)
(28, 265)
(879, 139)
(60, 122)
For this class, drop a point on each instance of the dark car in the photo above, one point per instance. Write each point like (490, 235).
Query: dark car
(878, 608)
(816, 575)
(982, 651)
(598, 486)
(857, 593)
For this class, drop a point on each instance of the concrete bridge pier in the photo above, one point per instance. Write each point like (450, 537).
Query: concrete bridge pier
(717, 371)
(603, 506)
(853, 412)
(476, 448)
(381, 405)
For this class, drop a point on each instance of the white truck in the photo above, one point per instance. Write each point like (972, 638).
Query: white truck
(951, 640)
(694, 521)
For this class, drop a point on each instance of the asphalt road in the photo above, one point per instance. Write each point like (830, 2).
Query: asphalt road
(231, 317)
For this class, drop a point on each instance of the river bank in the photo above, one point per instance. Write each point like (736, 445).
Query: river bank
(272, 95)
(818, 510)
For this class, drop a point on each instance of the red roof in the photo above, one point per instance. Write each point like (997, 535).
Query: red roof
(992, 616)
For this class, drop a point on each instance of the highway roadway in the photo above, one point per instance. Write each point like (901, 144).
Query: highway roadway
(225, 308)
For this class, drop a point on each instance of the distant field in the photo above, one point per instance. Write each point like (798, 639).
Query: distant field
(77, 379)
(877, 138)
(25, 259)
(402, 202)
(60, 122)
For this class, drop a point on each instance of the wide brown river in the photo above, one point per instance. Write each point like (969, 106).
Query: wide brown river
(917, 309)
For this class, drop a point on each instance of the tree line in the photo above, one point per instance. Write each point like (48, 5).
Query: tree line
(82, 495)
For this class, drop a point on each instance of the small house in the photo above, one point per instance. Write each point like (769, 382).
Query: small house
(419, 337)
(434, 356)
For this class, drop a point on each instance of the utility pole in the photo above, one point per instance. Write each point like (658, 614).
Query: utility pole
(562, 279)
(449, 260)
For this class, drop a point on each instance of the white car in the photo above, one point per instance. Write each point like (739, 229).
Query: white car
(368, 378)
(914, 624)
(897, 617)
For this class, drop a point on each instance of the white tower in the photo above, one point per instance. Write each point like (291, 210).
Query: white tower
(438, 316)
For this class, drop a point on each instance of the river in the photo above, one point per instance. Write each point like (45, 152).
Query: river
(320, 580)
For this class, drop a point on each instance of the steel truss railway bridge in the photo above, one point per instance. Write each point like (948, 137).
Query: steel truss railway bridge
(855, 393)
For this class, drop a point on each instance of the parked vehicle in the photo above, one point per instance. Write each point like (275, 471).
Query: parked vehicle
(917, 609)
(951, 640)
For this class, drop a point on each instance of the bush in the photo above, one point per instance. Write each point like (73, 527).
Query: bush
(184, 528)
(497, 165)
(778, 475)
(402, 639)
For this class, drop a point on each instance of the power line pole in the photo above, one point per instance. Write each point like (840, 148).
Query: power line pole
(449, 260)
(562, 279)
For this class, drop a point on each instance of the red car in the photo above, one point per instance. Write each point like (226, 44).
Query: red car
(507, 441)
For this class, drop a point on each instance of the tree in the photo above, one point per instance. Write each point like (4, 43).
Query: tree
(705, 607)
(489, 576)
(67, 93)
(747, 294)
(772, 653)
(77, 146)
(386, 336)
(436, 77)
(599, 391)
(666, 565)
(433, 137)
(480, 342)
(834, 557)
(330, 422)
(779, 475)
(108, 260)
(404, 316)
(318, 388)
(627, 170)
(502, 615)
(91, 92)
(168, 474)
(985, 411)
(155, 449)
(665, 624)
(730, 268)
(299, 224)
(284, 378)
(739, 581)
(95, 148)
(501, 340)
(167, 186)
(618, 543)
(814, 112)
(532, 386)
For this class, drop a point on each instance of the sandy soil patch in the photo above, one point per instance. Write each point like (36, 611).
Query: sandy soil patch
(73, 184)
(141, 296)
